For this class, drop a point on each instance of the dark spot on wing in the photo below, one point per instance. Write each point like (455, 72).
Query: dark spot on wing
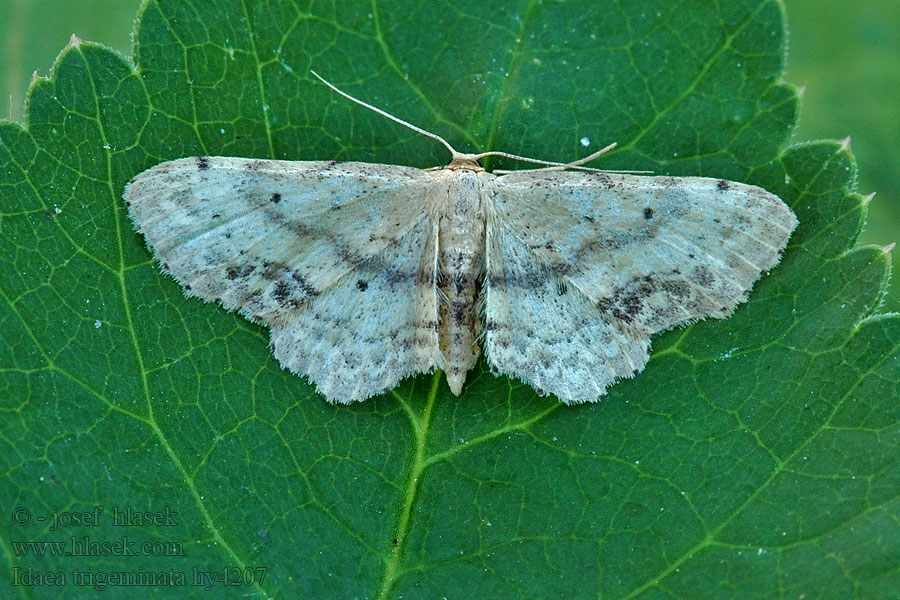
(362, 285)
(628, 301)
(308, 289)
(271, 269)
(282, 291)
(703, 276)
(276, 198)
(722, 185)
(675, 289)
(234, 272)
(202, 163)
(648, 213)
(605, 304)
(632, 305)
(561, 288)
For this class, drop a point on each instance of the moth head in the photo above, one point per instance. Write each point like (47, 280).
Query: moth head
(465, 162)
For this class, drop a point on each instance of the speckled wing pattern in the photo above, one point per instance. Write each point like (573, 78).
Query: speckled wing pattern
(582, 268)
(369, 273)
(326, 254)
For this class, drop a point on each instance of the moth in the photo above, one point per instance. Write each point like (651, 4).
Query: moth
(369, 273)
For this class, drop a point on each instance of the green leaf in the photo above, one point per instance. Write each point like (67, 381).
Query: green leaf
(755, 457)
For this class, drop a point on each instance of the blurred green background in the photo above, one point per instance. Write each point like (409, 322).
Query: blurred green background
(845, 54)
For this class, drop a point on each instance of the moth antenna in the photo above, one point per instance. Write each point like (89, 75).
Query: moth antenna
(433, 136)
(591, 157)
(547, 163)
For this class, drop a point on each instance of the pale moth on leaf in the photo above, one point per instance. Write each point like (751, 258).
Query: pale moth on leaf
(369, 273)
